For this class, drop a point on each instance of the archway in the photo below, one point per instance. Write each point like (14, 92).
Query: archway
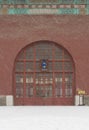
(44, 75)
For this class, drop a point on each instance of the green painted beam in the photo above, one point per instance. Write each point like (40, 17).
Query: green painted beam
(44, 2)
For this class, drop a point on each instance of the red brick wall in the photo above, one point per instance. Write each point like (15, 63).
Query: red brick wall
(72, 32)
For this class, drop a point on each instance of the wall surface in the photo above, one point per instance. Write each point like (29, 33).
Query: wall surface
(16, 32)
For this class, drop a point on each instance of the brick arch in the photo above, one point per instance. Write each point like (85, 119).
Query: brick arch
(44, 75)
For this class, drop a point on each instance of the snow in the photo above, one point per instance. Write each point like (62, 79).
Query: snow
(44, 118)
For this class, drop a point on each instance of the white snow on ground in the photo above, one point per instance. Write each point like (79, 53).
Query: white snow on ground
(44, 118)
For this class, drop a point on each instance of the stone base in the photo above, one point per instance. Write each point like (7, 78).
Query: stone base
(2, 100)
(79, 100)
(6, 100)
(86, 100)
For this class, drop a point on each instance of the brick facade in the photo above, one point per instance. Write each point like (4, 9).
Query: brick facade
(71, 32)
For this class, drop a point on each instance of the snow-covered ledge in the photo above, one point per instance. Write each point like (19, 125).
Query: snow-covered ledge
(9, 100)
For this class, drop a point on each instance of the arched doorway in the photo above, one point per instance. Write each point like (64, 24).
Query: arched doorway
(44, 75)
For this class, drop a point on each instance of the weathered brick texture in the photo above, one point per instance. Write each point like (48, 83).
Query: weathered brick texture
(71, 32)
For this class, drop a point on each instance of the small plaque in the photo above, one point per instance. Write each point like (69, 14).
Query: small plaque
(44, 65)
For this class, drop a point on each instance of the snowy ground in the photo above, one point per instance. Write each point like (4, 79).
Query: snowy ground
(44, 118)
